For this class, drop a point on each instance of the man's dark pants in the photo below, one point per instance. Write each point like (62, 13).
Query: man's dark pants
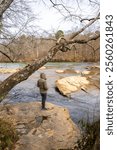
(43, 95)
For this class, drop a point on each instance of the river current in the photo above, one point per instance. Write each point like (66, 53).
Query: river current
(81, 105)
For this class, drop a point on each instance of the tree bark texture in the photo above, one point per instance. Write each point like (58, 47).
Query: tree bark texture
(4, 5)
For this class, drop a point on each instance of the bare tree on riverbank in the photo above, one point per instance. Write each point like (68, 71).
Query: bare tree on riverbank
(16, 17)
(23, 74)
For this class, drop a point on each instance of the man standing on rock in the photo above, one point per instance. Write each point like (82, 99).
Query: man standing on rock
(42, 84)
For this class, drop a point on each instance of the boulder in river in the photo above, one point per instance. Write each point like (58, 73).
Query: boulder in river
(89, 79)
(7, 70)
(91, 70)
(42, 68)
(71, 84)
(68, 71)
(41, 129)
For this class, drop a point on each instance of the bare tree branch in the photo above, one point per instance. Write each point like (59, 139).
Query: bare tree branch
(95, 37)
(93, 47)
(6, 56)
(88, 19)
(20, 30)
(94, 2)
(57, 4)
(82, 29)
(18, 18)
(4, 5)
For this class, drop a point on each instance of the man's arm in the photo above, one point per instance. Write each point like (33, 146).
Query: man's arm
(45, 85)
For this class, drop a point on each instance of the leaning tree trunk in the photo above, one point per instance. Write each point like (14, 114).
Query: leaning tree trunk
(23, 74)
(4, 5)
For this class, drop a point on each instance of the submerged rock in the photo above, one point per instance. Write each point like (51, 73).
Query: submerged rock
(7, 70)
(41, 129)
(68, 71)
(91, 70)
(12, 70)
(42, 68)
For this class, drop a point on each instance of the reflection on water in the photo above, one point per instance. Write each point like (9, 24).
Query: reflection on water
(81, 105)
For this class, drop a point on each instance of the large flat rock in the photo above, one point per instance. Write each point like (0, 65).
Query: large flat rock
(50, 129)
(71, 84)
(89, 79)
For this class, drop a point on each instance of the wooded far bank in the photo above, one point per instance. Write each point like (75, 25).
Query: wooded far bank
(29, 48)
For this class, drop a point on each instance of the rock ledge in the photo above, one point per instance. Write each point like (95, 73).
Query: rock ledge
(41, 129)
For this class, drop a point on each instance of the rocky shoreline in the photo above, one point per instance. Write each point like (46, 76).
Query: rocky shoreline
(39, 129)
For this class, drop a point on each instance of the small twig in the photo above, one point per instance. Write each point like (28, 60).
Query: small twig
(88, 19)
